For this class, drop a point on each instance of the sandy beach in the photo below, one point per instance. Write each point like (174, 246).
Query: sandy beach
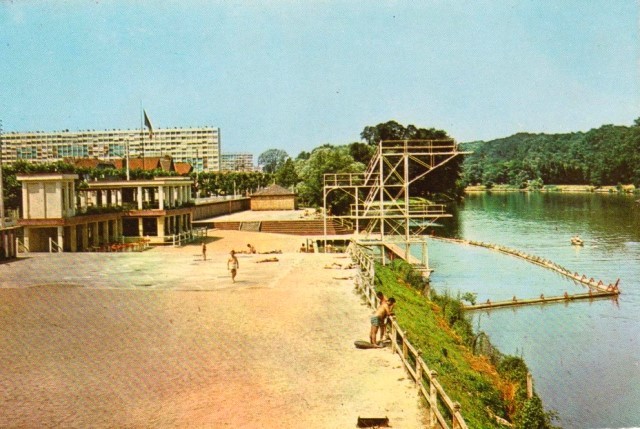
(164, 339)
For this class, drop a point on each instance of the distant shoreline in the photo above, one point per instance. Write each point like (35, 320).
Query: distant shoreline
(627, 189)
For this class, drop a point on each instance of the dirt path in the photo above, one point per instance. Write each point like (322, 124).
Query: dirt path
(164, 339)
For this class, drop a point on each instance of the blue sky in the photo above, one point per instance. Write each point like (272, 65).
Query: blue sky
(294, 75)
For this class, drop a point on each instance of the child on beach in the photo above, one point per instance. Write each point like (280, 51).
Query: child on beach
(233, 265)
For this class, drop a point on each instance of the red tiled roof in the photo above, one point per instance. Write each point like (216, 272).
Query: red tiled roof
(147, 163)
(182, 168)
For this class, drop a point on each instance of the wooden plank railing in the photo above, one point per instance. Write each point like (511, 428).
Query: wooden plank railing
(21, 247)
(443, 412)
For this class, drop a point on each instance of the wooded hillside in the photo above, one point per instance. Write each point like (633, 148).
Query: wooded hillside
(609, 155)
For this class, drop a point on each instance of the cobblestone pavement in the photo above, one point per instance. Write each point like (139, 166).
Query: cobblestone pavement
(163, 339)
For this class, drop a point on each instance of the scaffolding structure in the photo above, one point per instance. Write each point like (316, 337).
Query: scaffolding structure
(383, 214)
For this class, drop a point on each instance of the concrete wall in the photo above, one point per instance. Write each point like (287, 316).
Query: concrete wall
(45, 200)
(273, 203)
(220, 208)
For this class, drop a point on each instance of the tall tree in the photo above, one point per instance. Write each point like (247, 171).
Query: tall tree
(286, 175)
(272, 159)
(442, 180)
(324, 160)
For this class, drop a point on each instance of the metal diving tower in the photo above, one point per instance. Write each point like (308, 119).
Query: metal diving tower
(383, 213)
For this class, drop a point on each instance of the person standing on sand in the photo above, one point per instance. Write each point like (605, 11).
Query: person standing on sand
(383, 311)
(204, 251)
(233, 265)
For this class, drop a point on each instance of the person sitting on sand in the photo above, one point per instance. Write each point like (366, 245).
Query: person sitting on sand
(251, 248)
(383, 311)
(233, 265)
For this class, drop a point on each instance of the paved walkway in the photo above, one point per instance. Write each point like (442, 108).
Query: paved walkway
(164, 339)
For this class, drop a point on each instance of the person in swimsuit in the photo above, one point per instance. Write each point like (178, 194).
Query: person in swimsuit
(377, 320)
(233, 265)
(383, 323)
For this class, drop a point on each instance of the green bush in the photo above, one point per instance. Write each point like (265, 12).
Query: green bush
(443, 332)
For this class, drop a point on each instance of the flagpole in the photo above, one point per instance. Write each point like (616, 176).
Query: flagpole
(1, 187)
(142, 131)
(127, 143)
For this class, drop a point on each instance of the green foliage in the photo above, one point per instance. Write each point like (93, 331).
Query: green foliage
(272, 159)
(470, 297)
(92, 210)
(361, 152)
(441, 350)
(604, 156)
(446, 350)
(513, 368)
(323, 160)
(12, 189)
(533, 416)
(224, 183)
(442, 180)
(286, 175)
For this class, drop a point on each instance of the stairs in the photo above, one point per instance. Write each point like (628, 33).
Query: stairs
(250, 226)
(291, 227)
(227, 225)
(303, 227)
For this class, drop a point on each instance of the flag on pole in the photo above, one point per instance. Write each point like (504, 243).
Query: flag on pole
(147, 123)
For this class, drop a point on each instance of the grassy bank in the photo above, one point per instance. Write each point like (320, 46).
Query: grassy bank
(484, 384)
(626, 189)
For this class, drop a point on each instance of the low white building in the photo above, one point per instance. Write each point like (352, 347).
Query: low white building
(57, 216)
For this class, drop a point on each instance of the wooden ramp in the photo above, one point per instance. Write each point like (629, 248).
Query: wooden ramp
(541, 300)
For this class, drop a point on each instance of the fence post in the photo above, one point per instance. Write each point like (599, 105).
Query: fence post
(405, 348)
(393, 337)
(456, 409)
(433, 399)
(419, 368)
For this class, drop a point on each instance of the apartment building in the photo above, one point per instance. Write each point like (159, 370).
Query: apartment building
(241, 161)
(199, 147)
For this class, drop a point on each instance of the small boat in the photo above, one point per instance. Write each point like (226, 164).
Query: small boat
(577, 241)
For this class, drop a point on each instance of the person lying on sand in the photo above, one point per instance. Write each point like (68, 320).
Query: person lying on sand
(334, 265)
(267, 260)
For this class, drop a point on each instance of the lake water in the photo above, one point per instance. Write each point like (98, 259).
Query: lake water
(584, 356)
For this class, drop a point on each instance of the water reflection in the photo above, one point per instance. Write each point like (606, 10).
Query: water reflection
(584, 355)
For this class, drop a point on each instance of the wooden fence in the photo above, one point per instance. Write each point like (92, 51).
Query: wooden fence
(443, 412)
